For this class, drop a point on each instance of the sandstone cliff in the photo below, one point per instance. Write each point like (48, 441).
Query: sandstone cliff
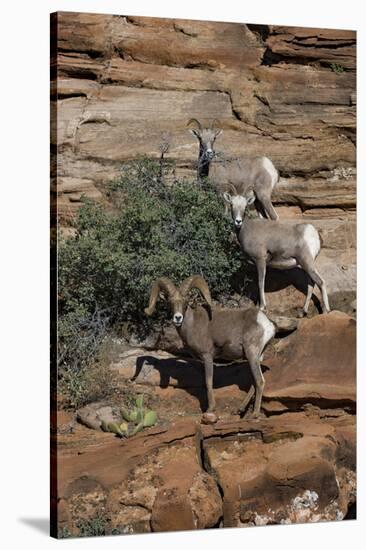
(125, 83)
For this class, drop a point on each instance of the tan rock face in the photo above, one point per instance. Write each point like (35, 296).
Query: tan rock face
(322, 45)
(120, 69)
(285, 92)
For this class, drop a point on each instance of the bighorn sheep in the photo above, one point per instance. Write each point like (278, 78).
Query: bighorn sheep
(215, 332)
(278, 245)
(240, 174)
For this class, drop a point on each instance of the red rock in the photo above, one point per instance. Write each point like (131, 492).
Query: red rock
(316, 362)
(286, 469)
(290, 468)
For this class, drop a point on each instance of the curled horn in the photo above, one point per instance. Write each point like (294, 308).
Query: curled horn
(196, 281)
(163, 284)
(191, 120)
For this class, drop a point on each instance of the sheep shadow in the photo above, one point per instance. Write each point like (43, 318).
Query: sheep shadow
(188, 374)
(279, 279)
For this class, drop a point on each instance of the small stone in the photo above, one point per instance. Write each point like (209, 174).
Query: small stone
(209, 418)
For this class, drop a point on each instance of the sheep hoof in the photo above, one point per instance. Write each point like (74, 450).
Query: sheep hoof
(209, 418)
(251, 415)
(245, 412)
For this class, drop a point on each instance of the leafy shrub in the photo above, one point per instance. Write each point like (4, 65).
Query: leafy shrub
(94, 527)
(84, 382)
(151, 230)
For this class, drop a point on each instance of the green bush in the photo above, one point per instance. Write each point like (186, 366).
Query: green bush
(94, 527)
(152, 229)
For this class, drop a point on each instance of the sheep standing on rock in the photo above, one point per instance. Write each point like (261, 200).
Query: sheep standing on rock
(278, 245)
(215, 332)
(239, 173)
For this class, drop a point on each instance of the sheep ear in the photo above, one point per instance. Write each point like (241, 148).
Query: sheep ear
(194, 132)
(227, 197)
(250, 197)
(218, 133)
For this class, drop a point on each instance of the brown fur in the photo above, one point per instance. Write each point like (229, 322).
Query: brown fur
(217, 332)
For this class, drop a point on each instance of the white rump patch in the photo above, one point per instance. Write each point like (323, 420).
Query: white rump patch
(267, 326)
(312, 239)
(268, 165)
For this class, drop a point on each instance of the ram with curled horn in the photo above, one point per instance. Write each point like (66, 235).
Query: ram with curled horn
(241, 172)
(212, 332)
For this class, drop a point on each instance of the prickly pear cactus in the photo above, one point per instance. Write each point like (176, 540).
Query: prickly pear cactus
(132, 421)
(114, 428)
(138, 428)
(150, 419)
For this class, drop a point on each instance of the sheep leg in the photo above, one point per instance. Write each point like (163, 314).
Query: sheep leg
(208, 363)
(315, 275)
(255, 366)
(307, 264)
(263, 190)
(308, 295)
(247, 400)
(268, 206)
(260, 209)
(261, 270)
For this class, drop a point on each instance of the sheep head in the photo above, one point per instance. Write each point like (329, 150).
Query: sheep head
(239, 204)
(178, 298)
(205, 136)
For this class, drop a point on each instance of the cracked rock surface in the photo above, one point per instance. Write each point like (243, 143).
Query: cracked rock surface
(284, 92)
(296, 463)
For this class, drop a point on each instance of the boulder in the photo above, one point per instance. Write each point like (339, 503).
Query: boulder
(94, 414)
(285, 470)
(291, 468)
(316, 363)
(154, 482)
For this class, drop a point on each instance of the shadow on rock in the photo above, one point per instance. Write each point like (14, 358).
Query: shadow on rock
(278, 279)
(188, 374)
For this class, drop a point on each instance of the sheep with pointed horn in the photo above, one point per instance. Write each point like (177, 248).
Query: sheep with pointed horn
(278, 245)
(242, 172)
(216, 332)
